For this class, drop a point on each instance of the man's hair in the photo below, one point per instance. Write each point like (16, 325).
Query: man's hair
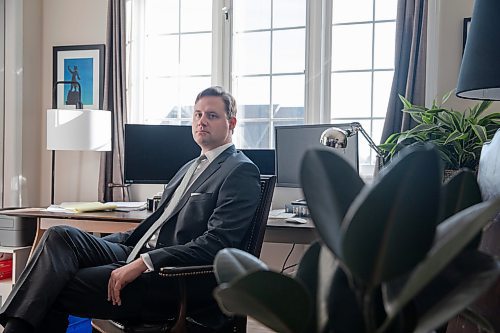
(218, 91)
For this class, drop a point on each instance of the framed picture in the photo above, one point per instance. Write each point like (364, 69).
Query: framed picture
(78, 76)
(465, 32)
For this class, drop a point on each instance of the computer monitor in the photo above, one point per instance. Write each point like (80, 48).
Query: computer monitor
(264, 159)
(154, 153)
(292, 142)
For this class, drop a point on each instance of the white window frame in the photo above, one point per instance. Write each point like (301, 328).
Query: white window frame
(317, 65)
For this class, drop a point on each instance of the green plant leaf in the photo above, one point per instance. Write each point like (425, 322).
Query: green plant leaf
(406, 103)
(386, 232)
(456, 135)
(230, 263)
(330, 184)
(452, 236)
(447, 96)
(421, 128)
(481, 107)
(480, 132)
(463, 281)
(275, 300)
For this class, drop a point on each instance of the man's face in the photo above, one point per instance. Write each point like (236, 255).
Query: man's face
(211, 128)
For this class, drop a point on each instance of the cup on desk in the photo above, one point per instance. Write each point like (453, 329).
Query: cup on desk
(153, 203)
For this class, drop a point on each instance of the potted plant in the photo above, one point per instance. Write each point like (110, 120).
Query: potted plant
(395, 256)
(458, 136)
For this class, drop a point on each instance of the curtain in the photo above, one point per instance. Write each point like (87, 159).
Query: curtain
(111, 170)
(409, 70)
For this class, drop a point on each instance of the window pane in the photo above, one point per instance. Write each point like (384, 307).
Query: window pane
(250, 15)
(378, 126)
(252, 53)
(352, 47)
(288, 96)
(160, 100)
(252, 97)
(252, 90)
(161, 16)
(289, 13)
(385, 38)
(251, 134)
(289, 51)
(196, 54)
(196, 15)
(386, 9)
(190, 87)
(352, 10)
(363, 147)
(161, 56)
(351, 95)
(382, 82)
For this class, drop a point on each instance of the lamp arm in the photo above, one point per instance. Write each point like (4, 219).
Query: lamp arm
(358, 128)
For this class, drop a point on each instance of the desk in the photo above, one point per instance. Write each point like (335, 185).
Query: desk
(277, 231)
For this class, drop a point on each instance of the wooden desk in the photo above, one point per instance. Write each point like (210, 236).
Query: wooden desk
(277, 231)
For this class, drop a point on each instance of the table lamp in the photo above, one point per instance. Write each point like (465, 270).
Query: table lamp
(479, 76)
(337, 137)
(77, 129)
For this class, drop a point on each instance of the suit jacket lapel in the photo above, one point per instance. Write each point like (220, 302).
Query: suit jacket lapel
(173, 183)
(209, 171)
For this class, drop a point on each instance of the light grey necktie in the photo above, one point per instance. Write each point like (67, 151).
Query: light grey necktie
(176, 197)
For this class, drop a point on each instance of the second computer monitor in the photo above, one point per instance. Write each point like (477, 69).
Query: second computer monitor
(292, 142)
(263, 158)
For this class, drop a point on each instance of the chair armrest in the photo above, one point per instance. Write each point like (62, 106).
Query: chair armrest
(186, 271)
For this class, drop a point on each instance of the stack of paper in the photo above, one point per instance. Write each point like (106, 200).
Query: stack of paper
(80, 207)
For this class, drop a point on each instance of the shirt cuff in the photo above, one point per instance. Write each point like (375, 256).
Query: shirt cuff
(147, 260)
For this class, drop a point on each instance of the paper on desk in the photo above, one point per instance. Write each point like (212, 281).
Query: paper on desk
(279, 214)
(59, 209)
(81, 207)
(130, 204)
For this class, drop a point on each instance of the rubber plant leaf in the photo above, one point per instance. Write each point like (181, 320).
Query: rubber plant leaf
(390, 226)
(307, 273)
(275, 300)
(465, 279)
(230, 264)
(451, 237)
(330, 185)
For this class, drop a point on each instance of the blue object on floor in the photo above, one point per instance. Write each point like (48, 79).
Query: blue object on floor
(79, 325)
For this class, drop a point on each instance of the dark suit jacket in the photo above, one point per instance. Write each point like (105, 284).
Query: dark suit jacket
(214, 213)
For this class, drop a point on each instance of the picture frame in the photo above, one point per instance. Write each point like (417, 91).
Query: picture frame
(78, 75)
(465, 32)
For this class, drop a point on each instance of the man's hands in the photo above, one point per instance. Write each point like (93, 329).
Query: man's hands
(122, 276)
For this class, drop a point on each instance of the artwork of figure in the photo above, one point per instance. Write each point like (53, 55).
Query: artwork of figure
(74, 77)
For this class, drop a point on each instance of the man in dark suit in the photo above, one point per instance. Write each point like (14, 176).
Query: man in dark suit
(207, 206)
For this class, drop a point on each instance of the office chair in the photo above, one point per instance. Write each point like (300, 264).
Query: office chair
(207, 318)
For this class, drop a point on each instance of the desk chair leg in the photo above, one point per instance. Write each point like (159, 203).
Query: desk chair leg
(180, 325)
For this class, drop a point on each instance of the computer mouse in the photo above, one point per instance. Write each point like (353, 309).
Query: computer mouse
(299, 220)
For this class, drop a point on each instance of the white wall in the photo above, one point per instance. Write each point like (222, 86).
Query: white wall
(444, 54)
(69, 22)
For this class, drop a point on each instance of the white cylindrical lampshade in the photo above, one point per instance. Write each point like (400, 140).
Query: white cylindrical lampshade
(70, 129)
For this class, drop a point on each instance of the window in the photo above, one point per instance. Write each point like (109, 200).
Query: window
(362, 51)
(276, 57)
(268, 65)
(170, 47)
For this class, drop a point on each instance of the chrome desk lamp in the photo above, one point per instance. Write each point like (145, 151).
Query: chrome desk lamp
(335, 137)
